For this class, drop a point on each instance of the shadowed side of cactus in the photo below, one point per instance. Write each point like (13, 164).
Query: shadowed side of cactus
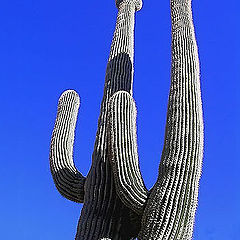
(103, 214)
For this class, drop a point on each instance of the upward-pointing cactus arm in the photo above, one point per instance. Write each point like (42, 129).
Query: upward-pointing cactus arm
(118, 90)
(119, 72)
(170, 209)
(68, 180)
(124, 156)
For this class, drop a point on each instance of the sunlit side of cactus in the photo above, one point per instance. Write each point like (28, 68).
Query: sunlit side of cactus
(117, 204)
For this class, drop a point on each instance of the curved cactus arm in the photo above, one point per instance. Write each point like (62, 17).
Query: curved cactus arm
(170, 210)
(124, 156)
(68, 180)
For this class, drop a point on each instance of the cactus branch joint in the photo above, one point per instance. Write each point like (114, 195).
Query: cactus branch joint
(116, 203)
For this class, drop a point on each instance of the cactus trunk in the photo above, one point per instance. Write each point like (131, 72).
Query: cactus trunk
(103, 214)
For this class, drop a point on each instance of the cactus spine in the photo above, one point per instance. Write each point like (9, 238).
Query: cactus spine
(117, 204)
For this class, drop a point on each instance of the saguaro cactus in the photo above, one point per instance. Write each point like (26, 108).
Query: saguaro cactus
(117, 204)
(170, 208)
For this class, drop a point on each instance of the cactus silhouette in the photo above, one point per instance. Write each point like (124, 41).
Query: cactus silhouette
(116, 203)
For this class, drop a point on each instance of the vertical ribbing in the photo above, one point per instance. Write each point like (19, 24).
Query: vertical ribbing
(124, 156)
(68, 180)
(170, 210)
(103, 214)
(119, 73)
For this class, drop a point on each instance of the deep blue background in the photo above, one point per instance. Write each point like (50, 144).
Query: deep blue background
(49, 46)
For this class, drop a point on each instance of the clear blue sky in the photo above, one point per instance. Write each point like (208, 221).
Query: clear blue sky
(48, 46)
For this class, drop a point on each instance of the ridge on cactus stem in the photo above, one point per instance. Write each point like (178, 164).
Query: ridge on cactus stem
(116, 203)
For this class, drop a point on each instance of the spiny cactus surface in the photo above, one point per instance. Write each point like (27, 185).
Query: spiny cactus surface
(116, 203)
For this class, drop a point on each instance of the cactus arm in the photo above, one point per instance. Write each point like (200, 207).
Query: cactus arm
(68, 180)
(170, 210)
(103, 214)
(119, 71)
(124, 156)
